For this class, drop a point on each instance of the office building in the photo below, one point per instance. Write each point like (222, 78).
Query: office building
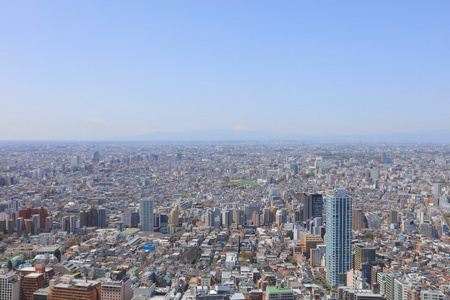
(317, 205)
(31, 283)
(311, 206)
(338, 237)
(80, 289)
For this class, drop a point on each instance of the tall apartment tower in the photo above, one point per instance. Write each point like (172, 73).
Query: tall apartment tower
(339, 237)
(359, 220)
(36, 224)
(72, 224)
(256, 219)
(146, 214)
(101, 219)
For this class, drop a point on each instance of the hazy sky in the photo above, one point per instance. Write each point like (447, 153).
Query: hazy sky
(105, 69)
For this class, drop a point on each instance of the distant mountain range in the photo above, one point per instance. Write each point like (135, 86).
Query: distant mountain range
(246, 135)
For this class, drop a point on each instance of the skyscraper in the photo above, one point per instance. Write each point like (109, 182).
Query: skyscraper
(339, 237)
(146, 214)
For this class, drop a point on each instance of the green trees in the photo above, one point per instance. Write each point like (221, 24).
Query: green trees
(57, 254)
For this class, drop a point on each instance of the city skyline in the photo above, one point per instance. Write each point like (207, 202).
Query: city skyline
(88, 72)
(291, 221)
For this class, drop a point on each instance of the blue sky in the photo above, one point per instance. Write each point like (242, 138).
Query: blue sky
(102, 69)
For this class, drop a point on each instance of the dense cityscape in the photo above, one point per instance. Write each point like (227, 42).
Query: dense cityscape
(224, 221)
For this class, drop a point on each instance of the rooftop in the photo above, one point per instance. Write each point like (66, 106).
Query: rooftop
(275, 290)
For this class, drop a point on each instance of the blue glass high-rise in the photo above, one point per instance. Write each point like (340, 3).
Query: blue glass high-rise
(338, 237)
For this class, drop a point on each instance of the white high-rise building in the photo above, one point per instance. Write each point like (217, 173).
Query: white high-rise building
(338, 237)
(146, 214)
